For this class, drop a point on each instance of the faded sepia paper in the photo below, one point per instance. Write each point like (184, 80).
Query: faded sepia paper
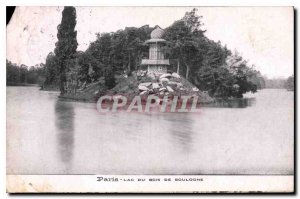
(247, 145)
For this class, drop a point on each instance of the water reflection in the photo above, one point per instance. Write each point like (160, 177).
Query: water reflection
(233, 103)
(64, 123)
(212, 140)
(181, 130)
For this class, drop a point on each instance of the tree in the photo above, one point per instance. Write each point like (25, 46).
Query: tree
(12, 73)
(52, 70)
(86, 62)
(67, 42)
(32, 75)
(289, 84)
(22, 75)
(115, 52)
(110, 81)
(185, 38)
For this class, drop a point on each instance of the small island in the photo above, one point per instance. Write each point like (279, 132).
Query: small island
(175, 61)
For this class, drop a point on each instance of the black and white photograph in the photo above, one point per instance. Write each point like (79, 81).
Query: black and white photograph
(141, 99)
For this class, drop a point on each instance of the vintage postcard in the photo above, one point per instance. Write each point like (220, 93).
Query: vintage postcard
(150, 100)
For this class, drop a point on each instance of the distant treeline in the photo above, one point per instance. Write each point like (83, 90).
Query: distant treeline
(290, 83)
(280, 83)
(18, 75)
(207, 64)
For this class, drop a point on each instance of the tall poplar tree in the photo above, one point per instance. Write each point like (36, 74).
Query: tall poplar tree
(67, 42)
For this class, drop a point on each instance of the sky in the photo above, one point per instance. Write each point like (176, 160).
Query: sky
(262, 35)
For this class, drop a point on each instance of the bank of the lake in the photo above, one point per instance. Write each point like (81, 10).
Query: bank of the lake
(166, 85)
(20, 84)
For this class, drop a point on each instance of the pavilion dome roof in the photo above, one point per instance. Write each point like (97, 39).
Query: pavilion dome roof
(157, 33)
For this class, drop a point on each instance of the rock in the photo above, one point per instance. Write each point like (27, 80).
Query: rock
(167, 75)
(175, 75)
(144, 93)
(147, 84)
(162, 89)
(143, 88)
(164, 79)
(170, 89)
(195, 89)
(172, 84)
(175, 79)
(151, 91)
(179, 84)
(155, 86)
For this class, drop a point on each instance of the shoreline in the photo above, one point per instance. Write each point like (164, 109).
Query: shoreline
(216, 103)
(22, 84)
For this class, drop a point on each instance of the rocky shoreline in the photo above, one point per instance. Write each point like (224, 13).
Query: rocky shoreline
(139, 84)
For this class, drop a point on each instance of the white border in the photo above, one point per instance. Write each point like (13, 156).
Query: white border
(166, 184)
(106, 3)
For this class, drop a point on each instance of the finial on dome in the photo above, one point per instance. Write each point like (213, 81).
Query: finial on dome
(157, 33)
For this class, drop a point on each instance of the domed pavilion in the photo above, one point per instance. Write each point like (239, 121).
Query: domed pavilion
(156, 64)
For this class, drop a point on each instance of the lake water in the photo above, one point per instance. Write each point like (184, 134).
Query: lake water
(49, 136)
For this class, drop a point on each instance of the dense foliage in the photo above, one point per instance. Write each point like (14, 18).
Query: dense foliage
(65, 47)
(289, 84)
(23, 74)
(276, 83)
(207, 64)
